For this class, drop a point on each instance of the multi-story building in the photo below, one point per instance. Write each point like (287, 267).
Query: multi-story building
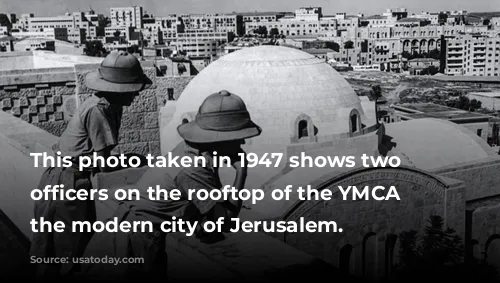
(308, 14)
(293, 27)
(215, 22)
(127, 17)
(257, 17)
(3, 30)
(76, 23)
(473, 55)
(202, 48)
(48, 33)
(433, 18)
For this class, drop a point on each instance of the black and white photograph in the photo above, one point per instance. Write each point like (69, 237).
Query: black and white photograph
(250, 141)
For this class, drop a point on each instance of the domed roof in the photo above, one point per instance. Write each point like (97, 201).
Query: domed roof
(280, 86)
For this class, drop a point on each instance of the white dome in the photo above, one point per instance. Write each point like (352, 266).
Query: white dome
(279, 86)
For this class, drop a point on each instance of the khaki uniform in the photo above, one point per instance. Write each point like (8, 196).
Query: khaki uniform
(93, 128)
(151, 246)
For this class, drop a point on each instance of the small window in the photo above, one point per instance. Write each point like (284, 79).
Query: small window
(303, 129)
(170, 92)
(185, 121)
(479, 132)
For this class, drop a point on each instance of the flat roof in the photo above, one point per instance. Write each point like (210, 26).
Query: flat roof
(430, 110)
(486, 94)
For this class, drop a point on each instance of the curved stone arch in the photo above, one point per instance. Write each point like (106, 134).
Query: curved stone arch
(302, 206)
(414, 185)
(296, 127)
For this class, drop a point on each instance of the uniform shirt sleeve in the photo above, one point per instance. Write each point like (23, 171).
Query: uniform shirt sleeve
(100, 132)
(194, 179)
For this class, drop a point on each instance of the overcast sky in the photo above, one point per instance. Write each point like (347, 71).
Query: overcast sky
(164, 7)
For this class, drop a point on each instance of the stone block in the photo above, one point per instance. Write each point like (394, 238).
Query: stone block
(155, 148)
(32, 110)
(132, 121)
(58, 116)
(28, 92)
(140, 148)
(54, 127)
(64, 90)
(26, 118)
(151, 120)
(57, 99)
(146, 102)
(45, 92)
(24, 102)
(7, 103)
(131, 136)
(42, 117)
(150, 135)
(16, 111)
(50, 108)
(40, 100)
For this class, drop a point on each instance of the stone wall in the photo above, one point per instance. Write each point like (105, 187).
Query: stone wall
(370, 226)
(48, 98)
(44, 98)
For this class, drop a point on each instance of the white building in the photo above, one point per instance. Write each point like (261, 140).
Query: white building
(473, 56)
(49, 33)
(308, 14)
(127, 17)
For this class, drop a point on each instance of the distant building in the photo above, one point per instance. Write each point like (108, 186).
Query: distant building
(232, 23)
(76, 23)
(489, 100)
(257, 17)
(48, 33)
(308, 14)
(6, 43)
(127, 17)
(3, 30)
(32, 44)
(472, 55)
(418, 64)
(484, 126)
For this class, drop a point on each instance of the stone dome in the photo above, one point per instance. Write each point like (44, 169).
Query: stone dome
(281, 87)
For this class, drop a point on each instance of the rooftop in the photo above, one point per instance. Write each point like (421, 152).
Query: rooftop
(431, 110)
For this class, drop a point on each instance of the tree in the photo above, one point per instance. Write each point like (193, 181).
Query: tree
(431, 70)
(261, 30)
(348, 45)
(5, 22)
(376, 93)
(94, 48)
(117, 34)
(439, 253)
(435, 54)
(274, 32)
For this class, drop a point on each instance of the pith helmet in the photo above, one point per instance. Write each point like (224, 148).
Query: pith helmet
(222, 116)
(119, 72)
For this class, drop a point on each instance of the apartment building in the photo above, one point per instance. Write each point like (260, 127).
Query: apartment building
(48, 33)
(231, 23)
(473, 55)
(127, 17)
(257, 17)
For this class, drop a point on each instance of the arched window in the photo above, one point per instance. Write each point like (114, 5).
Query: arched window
(354, 121)
(185, 121)
(390, 244)
(303, 129)
(369, 255)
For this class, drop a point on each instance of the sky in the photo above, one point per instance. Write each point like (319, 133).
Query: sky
(165, 7)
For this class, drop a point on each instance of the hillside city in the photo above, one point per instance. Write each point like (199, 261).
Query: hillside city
(393, 41)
